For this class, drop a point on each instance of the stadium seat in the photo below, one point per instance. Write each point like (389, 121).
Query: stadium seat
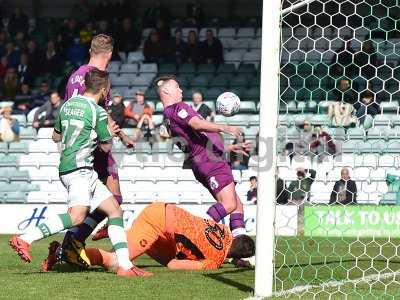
(220, 119)
(186, 69)
(39, 159)
(234, 57)
(199, 81)
(206, 69)
(20, 175)
(252, 94)
(239, 120)
(162, 147)
(129, 68)
(226, 32)
(15, 197)
(203, 32)
(121, 81)
(143, 147)
(186, 30)
(246, 68)
(247, 107)
(136, 56)
(213, 93)
(221, 80)
(143, 80)
(45, 133)
(27, 133)
(389, 107)
(18, 147)
(381, 120)
(356, 133)
(43, 146)
(210, 104)
(21, 119)
(148, 68)
(254, 120)
(113, 67)
(239, 81)
(245, 32)
(159, 108)
(226, 69)
(167, 69)
(251, 132)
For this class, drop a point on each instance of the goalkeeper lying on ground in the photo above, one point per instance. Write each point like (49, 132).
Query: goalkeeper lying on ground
(178, 240)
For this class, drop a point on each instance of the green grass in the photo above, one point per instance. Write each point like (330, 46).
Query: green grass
(299, 261)
(26, 281)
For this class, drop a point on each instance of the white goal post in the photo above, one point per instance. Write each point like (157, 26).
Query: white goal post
(269, 93)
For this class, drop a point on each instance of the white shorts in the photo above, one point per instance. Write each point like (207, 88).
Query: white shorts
(85, 189)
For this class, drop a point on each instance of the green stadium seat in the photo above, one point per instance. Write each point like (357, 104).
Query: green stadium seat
(3, 147)
(213, 93)
(389, 107)
(206, 69)
(376, 133)
(393, 147)
(8, 160)
(311, 107)
(19, 147)
(318, 95)
(301, 107)
(254, 81)
(226, 69)
(183, 81)
(21, 119)
(28, 133)
(187, 69)
(238, 120)
(246, 69)
(221, 80)
(355, 134)
(167, 69)
(323, 107)
(15, 197)
(381, 120)
(350, 146)
(254, 120)
(239, 81)
(248, 107)
(162, 147)
(199, 81)
(18, 175)
(292, 133)
(252, 94)
(285, 120)
(322, 120)
(143, 147)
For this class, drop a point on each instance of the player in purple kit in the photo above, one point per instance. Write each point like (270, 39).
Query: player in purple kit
(104, 164)
(202, 142)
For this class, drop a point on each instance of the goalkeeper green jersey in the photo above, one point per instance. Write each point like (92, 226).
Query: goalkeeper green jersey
(82, 124)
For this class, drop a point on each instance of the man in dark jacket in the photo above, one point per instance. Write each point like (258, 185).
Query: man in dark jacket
(47, 114)
(345, 190)
(212, 49)
(117, 109)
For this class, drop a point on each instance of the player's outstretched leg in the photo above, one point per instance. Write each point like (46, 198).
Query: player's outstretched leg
(21, 244)
(229, 204)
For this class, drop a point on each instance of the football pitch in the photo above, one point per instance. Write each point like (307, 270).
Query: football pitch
(300, 262)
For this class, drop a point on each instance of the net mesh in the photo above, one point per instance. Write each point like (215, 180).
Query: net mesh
(337, 219)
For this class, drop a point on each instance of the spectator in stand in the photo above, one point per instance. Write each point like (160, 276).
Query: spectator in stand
(343, 58)
(341, 114)
(194, 15)
(212, 49)
(34, 57)
(9, 127)
(47, 114)
(282, 194)
(3, 41)
(302, 145)
(152, 14)
(10, 85)
(43, 96)
(140, 115)
(154, 50)
(366, 106)
(177, 48)
(322, 144)
(127, 38)
(240, 160)
(5, 24)
(24, 70)
(23, 100)
(19, 41)
(51, 59)
(163, 30)
(3, 67)
(69, 33)
(252, 192)
(201, 107)
(77, 53)
(12, 54)
(18, 22)
(300, 188)
(344, 92)
(117, 110)
(103, 27)
(344, 190)
(86, 34)
(193, 53)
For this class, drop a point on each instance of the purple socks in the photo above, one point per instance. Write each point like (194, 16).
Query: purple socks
(237, 225)
(217, 212)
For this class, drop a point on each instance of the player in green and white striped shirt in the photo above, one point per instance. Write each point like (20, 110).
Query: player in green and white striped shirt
(81, 125)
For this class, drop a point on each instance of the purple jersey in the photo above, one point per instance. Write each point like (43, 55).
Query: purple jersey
(104, 164)
(205, 149)
(76, 84)
(199, 145)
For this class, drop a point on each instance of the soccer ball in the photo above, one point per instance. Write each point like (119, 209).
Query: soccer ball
(228, 104)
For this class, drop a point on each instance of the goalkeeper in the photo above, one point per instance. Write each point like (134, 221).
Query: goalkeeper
(178, 240)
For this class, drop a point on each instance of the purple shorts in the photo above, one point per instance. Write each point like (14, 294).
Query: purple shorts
(215, 176)
(105, 165)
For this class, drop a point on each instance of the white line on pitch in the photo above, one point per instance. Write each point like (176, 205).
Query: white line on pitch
(332, 284)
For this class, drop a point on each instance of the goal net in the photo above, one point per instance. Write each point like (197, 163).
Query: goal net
(337, 220)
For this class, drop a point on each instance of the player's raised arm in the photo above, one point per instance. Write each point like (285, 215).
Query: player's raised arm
(199, 124)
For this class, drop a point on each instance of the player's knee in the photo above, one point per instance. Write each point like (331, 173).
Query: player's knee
(77, 218)
(230, 206)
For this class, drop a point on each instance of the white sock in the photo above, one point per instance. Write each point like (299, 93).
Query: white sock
(51, 226)
(118, 239)
(238, 231)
